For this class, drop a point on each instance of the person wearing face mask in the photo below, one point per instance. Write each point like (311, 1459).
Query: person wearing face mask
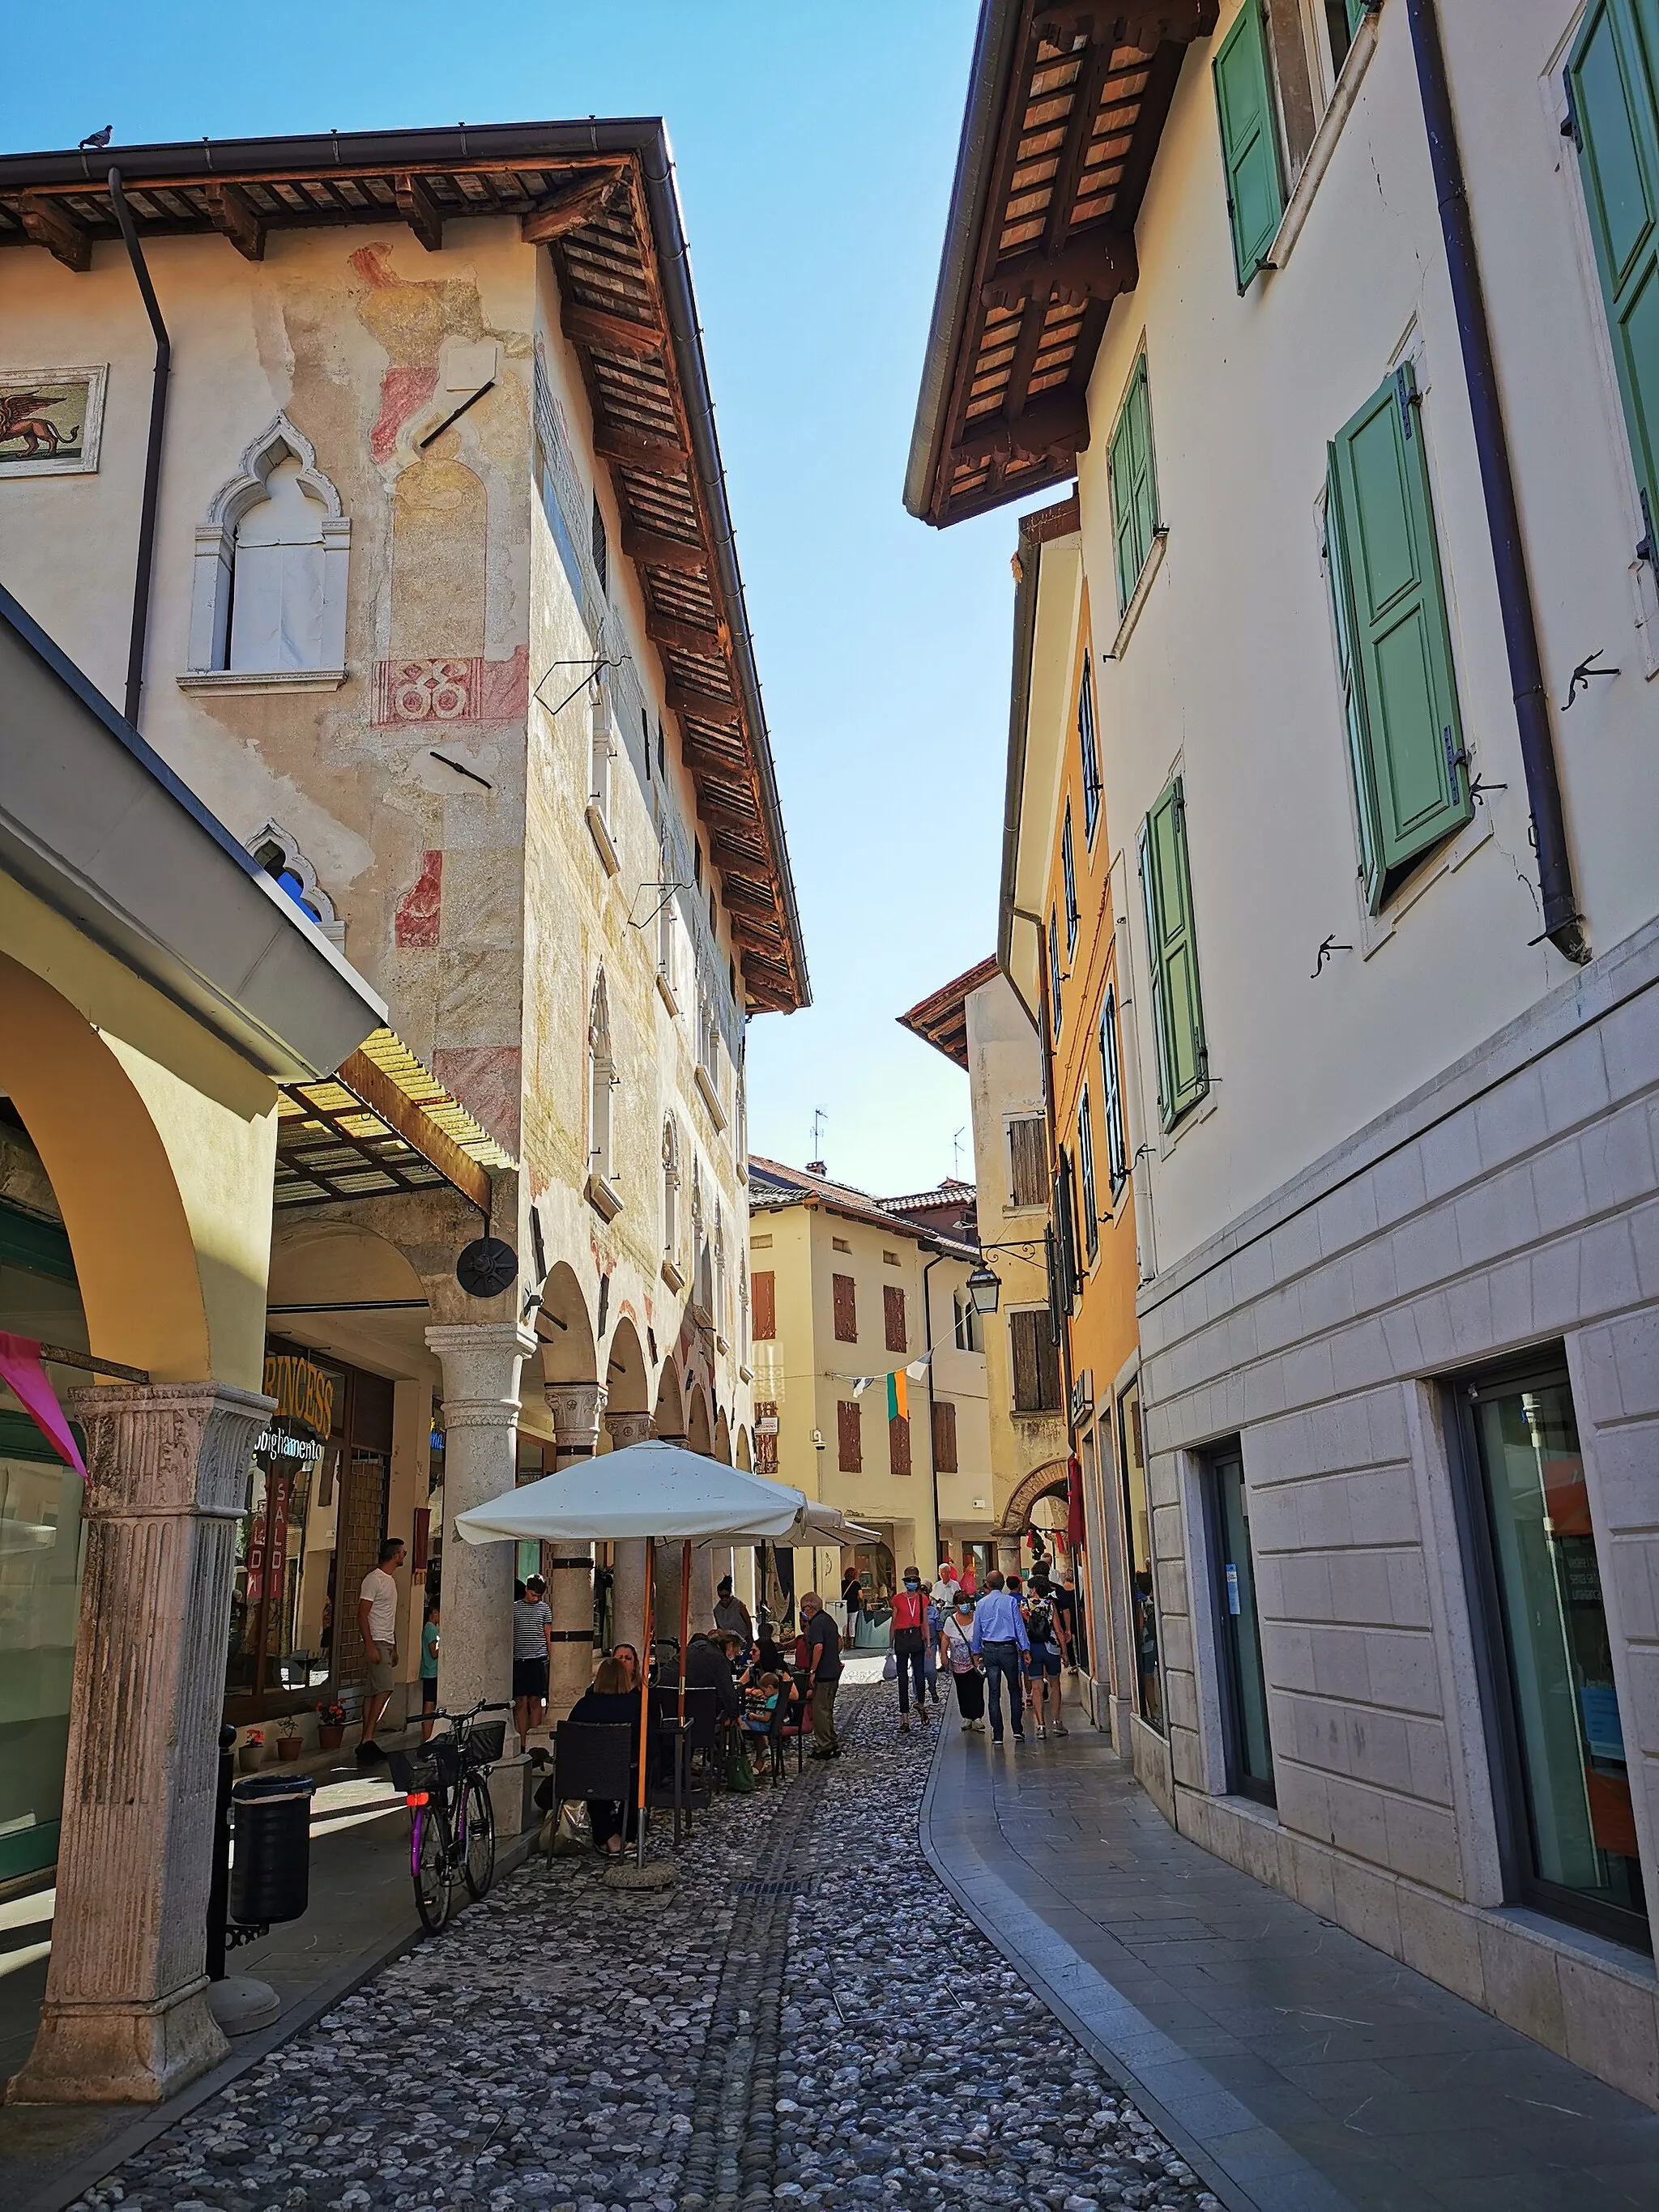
(967, 1669)
(908, 1634)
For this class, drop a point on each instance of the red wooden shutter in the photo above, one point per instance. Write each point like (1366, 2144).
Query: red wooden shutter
(898, 1446)
(764, 1305)
(849, 1437)
(846, 1309)
(892, 1301)
(945, 1437)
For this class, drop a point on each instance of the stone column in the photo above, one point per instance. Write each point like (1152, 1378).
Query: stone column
(628, 1573)
(1008, 1554)
(577, 1408)
(481, 1363)
(126, 2017)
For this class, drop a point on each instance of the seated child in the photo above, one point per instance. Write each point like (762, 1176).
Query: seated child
(760, 1700)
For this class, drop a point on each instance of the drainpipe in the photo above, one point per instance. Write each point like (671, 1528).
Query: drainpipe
(933, 1443)
(1563, 923)
(158, 411)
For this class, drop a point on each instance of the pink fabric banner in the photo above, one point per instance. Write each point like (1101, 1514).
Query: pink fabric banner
(21, 1368)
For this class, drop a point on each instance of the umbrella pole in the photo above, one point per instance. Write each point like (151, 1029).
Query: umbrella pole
(685, 1619)
(645, 1686)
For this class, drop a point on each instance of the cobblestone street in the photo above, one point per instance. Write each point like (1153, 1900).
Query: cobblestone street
(807, 2016)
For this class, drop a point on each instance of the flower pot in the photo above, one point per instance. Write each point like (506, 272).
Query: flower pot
(289, 1747)
(251, 1758)
(330, 1739)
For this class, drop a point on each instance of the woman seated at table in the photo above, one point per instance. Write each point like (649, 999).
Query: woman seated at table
(610, 1700)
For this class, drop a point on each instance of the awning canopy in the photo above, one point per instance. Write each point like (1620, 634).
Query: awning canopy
(659, 1490)
(383, 1124)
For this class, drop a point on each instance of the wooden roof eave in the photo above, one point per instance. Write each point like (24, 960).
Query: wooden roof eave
(1067, 106)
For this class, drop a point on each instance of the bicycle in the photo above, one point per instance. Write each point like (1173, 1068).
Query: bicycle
(452, 1824)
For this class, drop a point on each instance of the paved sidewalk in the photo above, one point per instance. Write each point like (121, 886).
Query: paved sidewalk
(362, 1914)
(1316, 2072)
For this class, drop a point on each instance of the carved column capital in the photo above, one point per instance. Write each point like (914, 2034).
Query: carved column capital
(481, 1363)
(168, 1447)
(626, 1429)
(577, 1409)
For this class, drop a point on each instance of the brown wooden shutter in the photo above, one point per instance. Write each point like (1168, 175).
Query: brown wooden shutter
(1029, 1176)
(849, 1437)
(1036, 1362)
(763, 1306)
(898, 1446)
(892, 1302)
(945, 1437)
(766, 1446)
(845, 1309)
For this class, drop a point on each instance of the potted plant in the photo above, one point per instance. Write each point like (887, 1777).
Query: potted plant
(251, 1756)
(289, 1742)
(331, 1724)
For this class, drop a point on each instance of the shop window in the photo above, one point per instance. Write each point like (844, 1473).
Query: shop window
(1142, 1559)
(1243, 1673)
(1567, 1828)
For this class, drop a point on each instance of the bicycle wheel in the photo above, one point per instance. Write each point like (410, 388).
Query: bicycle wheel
(479, 1864)
(430, 1862)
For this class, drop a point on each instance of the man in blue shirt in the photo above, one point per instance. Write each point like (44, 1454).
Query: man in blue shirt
(999, 1638)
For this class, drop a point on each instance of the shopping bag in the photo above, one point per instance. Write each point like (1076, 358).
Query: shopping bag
(889, 1668)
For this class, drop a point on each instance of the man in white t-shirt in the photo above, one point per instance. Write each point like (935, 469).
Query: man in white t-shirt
(377, 1617)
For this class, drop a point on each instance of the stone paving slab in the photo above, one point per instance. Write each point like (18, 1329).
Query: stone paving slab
(1311, 2068)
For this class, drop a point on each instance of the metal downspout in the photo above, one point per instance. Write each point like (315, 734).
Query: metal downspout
(1563, 923)
(932, 1432)
(158, 412)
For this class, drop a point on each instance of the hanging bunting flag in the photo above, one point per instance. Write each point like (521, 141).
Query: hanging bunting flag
(898, 1395)
(917, 1370)
(21, 1367)
(861, 1384)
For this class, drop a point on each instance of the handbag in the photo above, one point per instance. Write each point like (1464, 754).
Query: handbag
(739, 1775)
(889, 1668)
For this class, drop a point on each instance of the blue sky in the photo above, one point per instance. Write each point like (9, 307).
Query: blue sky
(815, 145)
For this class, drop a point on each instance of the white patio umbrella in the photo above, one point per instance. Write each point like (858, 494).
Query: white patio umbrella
(660, 1492)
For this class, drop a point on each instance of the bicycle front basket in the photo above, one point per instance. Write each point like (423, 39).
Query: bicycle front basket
(486, 1743)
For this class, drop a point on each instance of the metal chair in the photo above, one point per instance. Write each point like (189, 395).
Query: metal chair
(701, 1740)
(797, 1722)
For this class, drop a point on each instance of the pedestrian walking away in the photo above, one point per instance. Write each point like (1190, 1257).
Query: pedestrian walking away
(533, 1622)
(907, 1634)
(377, 1620)
(823, 1664)
(852, 1596)
(999, 1638)
(1063, 1598)
(429, 1670)
(1043, 1662)
(732, 1615)
(966, 1669)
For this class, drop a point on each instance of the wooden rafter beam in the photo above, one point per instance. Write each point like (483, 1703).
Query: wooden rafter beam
(1056, 420)
(1092, 73)
(653, 550)
(419, 210)
(592, 326)
(686, 637)
(235, 218)
(49, 225)
(570, 209)
(632, 449)
(704, 706)
(1097, 267)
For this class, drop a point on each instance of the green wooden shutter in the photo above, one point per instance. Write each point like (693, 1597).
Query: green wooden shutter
(1134, 485)
(1610, 80)
(1249, 140)
(1183, 1074)
(1405, 734)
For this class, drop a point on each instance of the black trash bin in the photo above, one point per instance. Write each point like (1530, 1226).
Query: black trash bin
(270, 1820)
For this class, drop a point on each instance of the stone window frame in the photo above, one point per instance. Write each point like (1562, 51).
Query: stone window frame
(215, 565)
